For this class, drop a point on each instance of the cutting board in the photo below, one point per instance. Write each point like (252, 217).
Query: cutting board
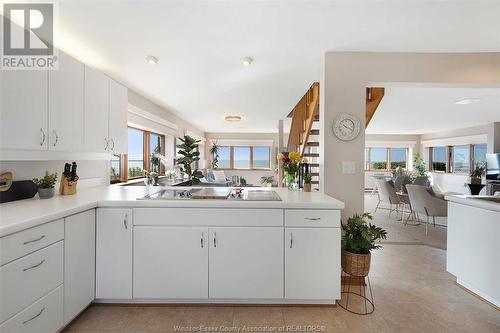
(212, 193)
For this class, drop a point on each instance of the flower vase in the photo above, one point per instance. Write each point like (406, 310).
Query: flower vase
(291, 181)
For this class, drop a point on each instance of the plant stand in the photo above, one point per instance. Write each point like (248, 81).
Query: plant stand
(355, 298)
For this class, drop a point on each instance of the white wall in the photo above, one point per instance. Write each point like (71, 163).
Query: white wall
(343, 84)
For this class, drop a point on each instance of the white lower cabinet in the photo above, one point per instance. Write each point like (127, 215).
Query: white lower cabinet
(312, 263)
(171, 262)
(79, 263)
(27, 279)
(114, 253)
(246, 262)
(43, 316)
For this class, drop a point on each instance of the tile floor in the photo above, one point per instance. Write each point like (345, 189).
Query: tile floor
(412, 290)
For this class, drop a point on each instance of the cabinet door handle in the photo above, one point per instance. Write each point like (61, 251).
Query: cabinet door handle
(202, 243)
(112, 144)
(34, 240)
(313, 218)
(42, 132)
(34, 317)
(34, 266)
(125, 221)
(106, 144)
(57, 138)
(215, 239)
(291, 240)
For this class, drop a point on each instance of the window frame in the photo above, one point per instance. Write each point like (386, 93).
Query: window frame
(251, 166)
(388, 158)
(449, 158)
(146, 156)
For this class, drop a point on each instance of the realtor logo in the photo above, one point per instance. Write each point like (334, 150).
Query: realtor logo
(28, 36)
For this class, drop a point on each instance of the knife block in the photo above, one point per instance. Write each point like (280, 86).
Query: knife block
(67, 186)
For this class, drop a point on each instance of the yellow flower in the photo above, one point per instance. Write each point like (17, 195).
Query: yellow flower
(292, 155)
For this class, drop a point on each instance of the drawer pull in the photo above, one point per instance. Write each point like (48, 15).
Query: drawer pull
(215, 239)
(125, 221)
(291, 240)
(202, 242)
(34, 317)
(34, 266)
(34, 240)
(313, 218)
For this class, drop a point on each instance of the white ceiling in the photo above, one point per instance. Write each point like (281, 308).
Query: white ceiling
(422, 110)
(200, 44)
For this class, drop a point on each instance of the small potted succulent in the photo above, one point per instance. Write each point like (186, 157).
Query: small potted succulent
(477, 174)
(267, 180)
(307, 182)
(46, 185)
(358, 240)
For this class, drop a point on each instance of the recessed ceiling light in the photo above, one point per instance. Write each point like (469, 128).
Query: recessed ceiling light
(247, 61)
(151, 60)
(232, 118)
(467, 101)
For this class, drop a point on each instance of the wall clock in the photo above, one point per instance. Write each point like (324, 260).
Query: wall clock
(346, 127)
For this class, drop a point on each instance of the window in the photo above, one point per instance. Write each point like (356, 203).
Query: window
(378, 158)
(261, 158)
(224, 158)
(398, 157)
(241, 157)
(115, 174)
(439, 159)
(461, 159)
(244, 157)
(155, 147)
(142, 149)
(479, 152)
(135, 157)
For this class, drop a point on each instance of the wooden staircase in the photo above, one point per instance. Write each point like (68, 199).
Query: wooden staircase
(304, 130)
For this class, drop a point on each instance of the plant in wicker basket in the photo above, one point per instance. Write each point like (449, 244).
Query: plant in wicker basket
(358, 240)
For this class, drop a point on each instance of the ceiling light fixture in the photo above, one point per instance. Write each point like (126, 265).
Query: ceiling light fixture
(467, 101)
(151, 60)
(247, 61)
(232, 118)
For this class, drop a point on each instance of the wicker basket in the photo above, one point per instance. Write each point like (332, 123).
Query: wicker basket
(356, 264)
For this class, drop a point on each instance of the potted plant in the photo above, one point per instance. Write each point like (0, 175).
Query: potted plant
(357, 242)
(267, 180)
(214, 151)
(307, 182)
(477, 174)
(188, 150)
(46, 185)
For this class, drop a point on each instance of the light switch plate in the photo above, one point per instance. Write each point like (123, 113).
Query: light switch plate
(348, 167)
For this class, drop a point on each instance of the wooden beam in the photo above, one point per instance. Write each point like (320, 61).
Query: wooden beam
(373, 98)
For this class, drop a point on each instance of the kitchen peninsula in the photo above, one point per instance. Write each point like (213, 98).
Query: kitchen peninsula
(284, 251)
(473, 251)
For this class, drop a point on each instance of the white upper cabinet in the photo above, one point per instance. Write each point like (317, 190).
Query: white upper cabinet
(23, 109)
(66, 117)
(96, 111)
(118, 104)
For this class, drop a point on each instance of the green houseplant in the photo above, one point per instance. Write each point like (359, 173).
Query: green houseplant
(267, 180)
(46, 185)
(357, 242)
(307, 182)
(189, 155)
(214, 151)
(477, 173)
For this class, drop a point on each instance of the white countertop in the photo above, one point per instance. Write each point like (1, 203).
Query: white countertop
(474, 201)
(19, 215)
